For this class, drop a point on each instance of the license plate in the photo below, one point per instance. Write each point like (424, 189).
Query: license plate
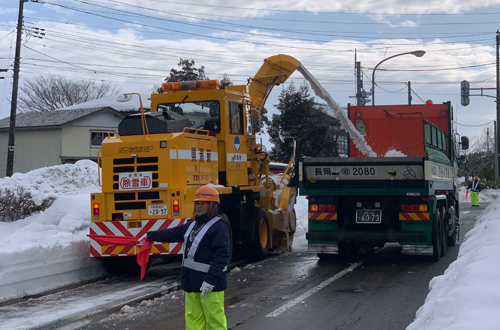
(368, 216)
(157, 210)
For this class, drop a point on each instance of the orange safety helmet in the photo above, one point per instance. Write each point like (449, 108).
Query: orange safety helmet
(476, 178)
(206, 194)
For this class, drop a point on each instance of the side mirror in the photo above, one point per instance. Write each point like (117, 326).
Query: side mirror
(255, 123)
(464, 141)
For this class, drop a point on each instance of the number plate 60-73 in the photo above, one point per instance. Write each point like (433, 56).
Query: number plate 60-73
(368, 216)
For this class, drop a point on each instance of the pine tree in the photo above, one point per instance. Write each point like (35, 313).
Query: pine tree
(187, 72)
(315, 132)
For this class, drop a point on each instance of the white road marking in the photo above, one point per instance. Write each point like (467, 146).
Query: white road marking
(312, 291)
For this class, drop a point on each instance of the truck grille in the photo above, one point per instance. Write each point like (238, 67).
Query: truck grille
(147, 164)
(134, 200)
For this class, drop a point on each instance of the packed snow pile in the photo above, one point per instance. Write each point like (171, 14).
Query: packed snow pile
(394, 153)
(49, 249)
(54, 181)
(485, 196)
(467, 295)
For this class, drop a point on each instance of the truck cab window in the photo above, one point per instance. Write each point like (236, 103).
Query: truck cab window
(202, 115)
(235, 118)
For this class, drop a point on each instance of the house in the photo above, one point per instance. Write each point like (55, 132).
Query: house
(57, 137)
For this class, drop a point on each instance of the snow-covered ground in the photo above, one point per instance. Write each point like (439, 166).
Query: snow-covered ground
(466, 296)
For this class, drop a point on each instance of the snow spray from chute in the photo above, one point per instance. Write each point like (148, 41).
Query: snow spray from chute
(346, 124)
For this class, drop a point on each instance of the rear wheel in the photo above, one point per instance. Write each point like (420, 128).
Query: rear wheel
(262, 235)
(349, 251)
(327, 257)
(436, 236)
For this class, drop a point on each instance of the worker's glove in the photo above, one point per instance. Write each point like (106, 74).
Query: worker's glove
(206, 288)
(143, 238)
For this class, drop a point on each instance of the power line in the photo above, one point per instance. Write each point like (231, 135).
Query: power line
(323, 12)
(475, 125)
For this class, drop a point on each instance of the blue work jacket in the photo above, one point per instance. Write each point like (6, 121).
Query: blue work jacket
(213, 249)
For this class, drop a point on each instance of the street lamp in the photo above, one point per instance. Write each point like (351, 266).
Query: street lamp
(417, 53)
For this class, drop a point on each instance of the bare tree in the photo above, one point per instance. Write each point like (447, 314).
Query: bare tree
(47, 93)
(480, 156)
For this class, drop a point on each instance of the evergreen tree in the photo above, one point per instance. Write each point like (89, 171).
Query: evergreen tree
(187, 72)
(314, 131)
(226, 81)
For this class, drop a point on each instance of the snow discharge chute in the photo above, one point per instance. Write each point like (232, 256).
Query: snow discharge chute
(346, 124)
(276, 70)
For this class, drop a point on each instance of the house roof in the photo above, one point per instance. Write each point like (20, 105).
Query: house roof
(52, 118)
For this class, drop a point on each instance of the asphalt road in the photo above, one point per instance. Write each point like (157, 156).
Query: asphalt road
(298, 291)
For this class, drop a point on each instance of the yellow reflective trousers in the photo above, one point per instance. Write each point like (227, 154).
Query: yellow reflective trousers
(474, 198)
(207, 310)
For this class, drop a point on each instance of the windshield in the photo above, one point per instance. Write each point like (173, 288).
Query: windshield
(202, 115)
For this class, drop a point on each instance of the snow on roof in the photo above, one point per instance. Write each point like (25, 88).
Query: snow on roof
(111, 101)
(50, 118)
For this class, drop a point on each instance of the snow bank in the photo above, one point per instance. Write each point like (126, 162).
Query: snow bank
(49, 249)
(467, 295)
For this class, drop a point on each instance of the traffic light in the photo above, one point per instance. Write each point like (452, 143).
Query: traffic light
(464, 142)
(464, 92)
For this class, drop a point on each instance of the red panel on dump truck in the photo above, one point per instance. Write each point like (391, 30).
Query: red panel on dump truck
(397, 127)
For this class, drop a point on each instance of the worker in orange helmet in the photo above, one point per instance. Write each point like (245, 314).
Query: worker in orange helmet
(204, 263)
(475, 188)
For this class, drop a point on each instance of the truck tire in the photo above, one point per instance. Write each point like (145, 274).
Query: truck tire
(326, 256)
(262, 235)
(436, 236)
(349, 251)
(444, 230)
(225, 218)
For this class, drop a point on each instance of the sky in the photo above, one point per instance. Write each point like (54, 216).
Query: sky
(135, 44)
(55, 252)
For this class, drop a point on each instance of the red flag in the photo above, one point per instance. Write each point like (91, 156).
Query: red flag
(142, 256)
(115, 240)
(466, 193)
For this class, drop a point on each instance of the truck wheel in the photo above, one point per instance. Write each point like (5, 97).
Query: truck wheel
(444, 230)
(226, 220)
(326, 257)
(349, 251)
(262, 236)
(436, 236)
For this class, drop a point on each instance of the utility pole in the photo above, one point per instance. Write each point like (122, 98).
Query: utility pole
(360, 100)
(15, 84)
(497, 126)
(409, 92)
